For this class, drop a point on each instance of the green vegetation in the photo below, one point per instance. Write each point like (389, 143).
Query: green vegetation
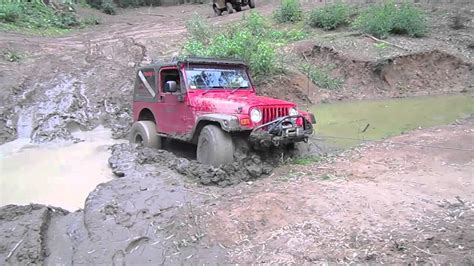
(37, 17)
(307, 160)
(382, 19)
(330, 16)
(35, 14)
(198, 29)
(252, 40)
(288, 12)
(90, 20)
(107, 6)
(12, 56)
(321, 77)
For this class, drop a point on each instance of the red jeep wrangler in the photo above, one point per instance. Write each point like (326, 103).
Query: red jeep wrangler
(211, 103)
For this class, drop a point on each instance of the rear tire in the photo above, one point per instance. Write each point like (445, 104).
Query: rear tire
(215, 147)
(144, 133)
(252, 3)
(229, 7)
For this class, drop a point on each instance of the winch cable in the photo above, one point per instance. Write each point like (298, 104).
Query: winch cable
(321, 137)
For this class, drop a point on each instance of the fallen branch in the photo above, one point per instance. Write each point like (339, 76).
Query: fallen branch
(424, 251)
(382, 41)
(13, 250)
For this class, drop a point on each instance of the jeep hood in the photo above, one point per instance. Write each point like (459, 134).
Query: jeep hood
(230, 103)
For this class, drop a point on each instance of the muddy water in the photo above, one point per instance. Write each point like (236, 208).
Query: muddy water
(341, 123)
(60, 174)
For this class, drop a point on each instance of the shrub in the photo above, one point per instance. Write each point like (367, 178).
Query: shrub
(10, 12)
(36, 14)
(108, 7)
(409, 20)
(321, 77)
(66, 20)
(90, 20)
(329, 17)
(383, 19)
(288, 12)
(198, 29)
(252, 40)
(12, 56)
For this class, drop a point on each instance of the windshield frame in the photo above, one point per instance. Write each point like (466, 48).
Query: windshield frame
(187, 67)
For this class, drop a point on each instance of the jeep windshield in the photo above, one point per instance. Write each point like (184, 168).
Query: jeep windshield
(209, 78)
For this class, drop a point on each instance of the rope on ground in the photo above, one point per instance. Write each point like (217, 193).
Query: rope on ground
(394, 142)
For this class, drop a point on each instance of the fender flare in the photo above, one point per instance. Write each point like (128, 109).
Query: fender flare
(228, 123)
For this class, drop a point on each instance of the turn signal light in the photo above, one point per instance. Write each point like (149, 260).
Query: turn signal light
(245, 121)
(299, 121)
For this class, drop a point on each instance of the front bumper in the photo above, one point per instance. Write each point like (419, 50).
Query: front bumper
(281, 131)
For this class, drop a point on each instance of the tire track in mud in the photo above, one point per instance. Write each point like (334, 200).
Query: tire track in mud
(99, 60)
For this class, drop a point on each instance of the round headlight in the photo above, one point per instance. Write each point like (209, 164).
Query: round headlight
(293, 111)
(255, 115)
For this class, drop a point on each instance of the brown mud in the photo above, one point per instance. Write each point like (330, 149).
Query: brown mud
(376, 207)
(378, 203)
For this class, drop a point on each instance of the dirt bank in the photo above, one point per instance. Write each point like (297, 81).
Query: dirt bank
(414, 74)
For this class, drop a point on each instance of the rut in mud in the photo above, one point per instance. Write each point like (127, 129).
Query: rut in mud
(248, 165)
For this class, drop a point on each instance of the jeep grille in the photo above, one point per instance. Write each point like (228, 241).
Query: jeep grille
(271, 113)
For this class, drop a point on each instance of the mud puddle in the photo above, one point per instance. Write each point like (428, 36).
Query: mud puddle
(350, 123)
(59, 173)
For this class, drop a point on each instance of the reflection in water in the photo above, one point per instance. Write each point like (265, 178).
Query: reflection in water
(59, 174)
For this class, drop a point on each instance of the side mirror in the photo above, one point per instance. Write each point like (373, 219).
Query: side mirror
(170, 86)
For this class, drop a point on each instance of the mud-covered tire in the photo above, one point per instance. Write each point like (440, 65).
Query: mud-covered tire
(215, 147)
(229, 7)
(144, 133)
(252, 3)
(217, 11)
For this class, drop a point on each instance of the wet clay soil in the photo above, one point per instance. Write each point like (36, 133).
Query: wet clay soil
(386, 204)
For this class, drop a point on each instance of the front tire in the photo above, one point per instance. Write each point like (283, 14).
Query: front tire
(144, 133)
(252, 3)
(215, 147)
(230, 9)
(217, 11)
